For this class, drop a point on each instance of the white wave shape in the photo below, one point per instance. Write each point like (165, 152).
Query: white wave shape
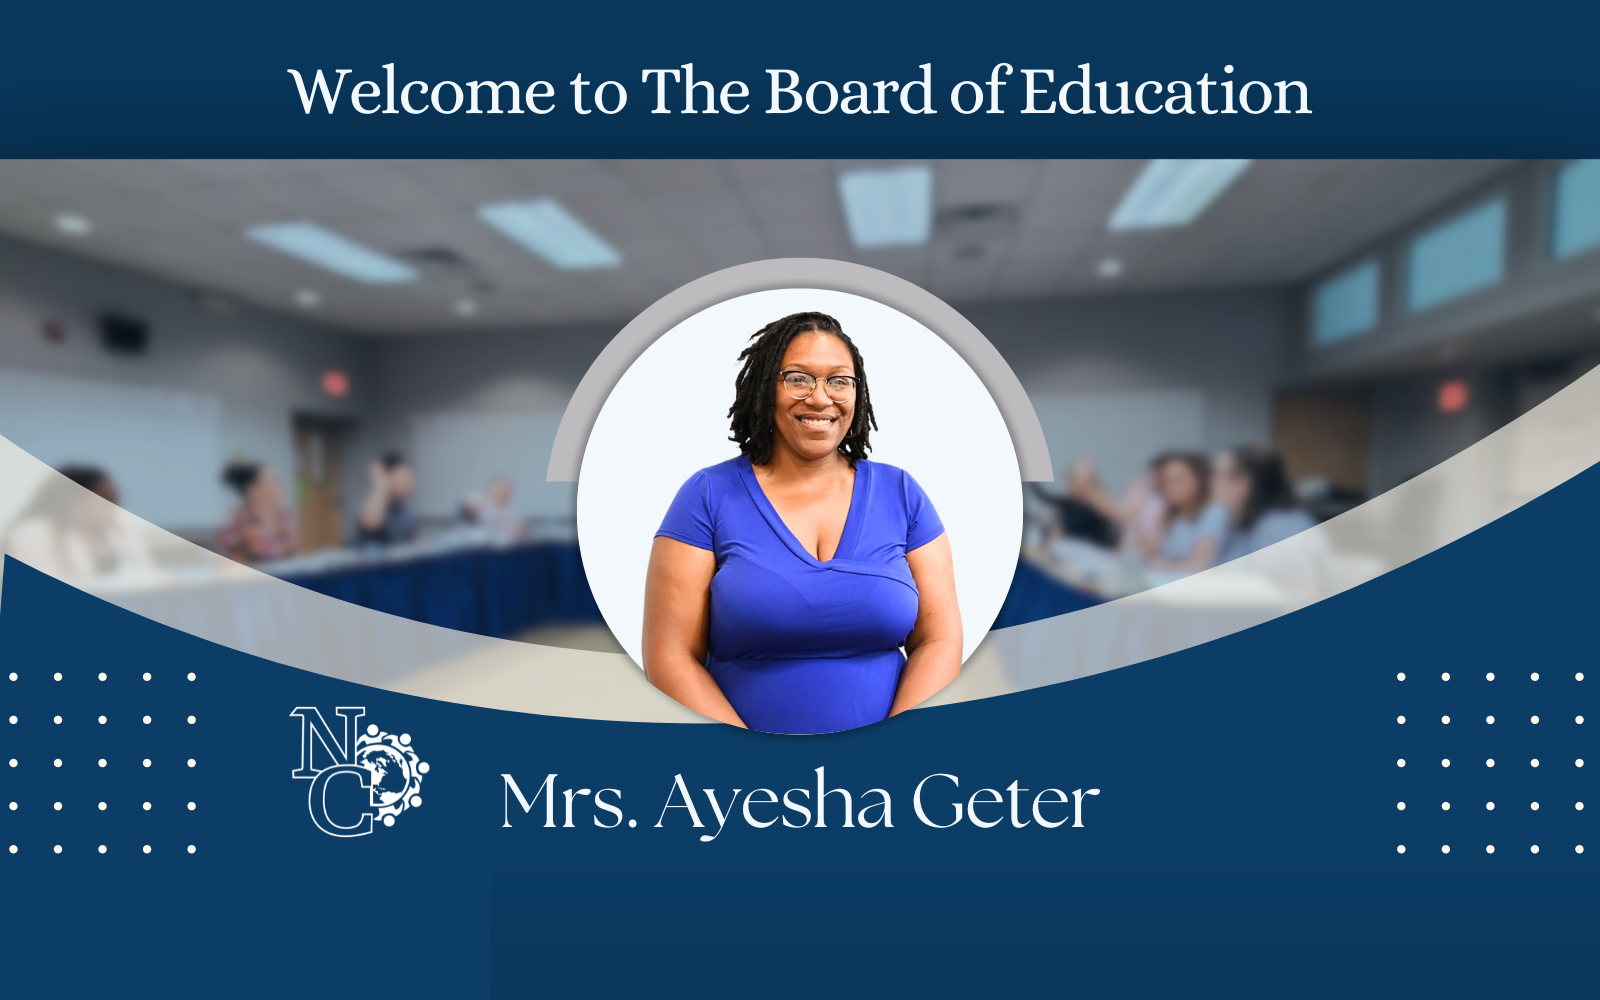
(1530, 456)
(176, 583)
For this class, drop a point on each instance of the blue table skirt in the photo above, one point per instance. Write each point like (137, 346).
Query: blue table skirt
(503, 592)
(1035, 596)
(495, 592)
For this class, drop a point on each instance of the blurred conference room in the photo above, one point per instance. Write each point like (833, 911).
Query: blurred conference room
(348, 374)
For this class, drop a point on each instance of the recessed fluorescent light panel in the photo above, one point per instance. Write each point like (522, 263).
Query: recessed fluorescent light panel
(888, 208)
(330, 251)
(74, 224)
(551, 232)
(1171, 193)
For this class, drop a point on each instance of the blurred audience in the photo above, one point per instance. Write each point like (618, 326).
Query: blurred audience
(491, 509)
(1138, 514)
(1251, 485)
(1165, 518)
(73, 529)
(385, 517)
(260, 527)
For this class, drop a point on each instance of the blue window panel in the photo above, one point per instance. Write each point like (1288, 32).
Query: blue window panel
(1345, 305)
(1577, 221)
(1457, 257)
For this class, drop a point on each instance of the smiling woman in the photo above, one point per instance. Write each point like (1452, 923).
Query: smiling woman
(784, 583)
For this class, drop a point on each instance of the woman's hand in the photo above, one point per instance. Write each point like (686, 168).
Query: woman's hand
(934, 646)
(677, 616)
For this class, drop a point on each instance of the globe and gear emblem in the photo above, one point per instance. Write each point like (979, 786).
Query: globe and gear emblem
(395, 769)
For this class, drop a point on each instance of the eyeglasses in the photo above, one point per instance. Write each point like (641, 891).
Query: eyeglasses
(800, 385)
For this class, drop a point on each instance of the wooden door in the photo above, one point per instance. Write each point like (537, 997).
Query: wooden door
(319, 499)
(1324, 433)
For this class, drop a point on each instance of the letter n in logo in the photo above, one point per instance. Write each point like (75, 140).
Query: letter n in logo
(334, 758)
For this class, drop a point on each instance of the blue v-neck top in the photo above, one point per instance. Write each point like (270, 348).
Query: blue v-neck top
(799, 645)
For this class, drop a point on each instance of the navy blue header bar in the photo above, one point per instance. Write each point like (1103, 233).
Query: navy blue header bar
(775, 80)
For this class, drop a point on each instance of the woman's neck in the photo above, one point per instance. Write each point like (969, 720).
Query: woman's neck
(787, 467)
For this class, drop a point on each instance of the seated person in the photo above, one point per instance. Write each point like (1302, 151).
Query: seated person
(1077, 518)
(73, 530)
(384, 516)
(492, 509)
(1137, 515)
(1191, 530)
(260, 527)
(1251, 485)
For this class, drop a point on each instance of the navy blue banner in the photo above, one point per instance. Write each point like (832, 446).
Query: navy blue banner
(1258, 79)
(1226, 821)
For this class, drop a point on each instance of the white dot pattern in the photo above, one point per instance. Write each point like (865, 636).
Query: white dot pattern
(74, 726)
(1545, 736)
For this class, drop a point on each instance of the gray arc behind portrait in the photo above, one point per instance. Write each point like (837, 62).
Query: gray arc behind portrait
(667, 417)
(1027, 436)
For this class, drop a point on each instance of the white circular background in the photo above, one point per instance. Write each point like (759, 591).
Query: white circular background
(936, 421)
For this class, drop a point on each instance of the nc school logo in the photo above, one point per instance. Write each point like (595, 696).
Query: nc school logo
(384, 764)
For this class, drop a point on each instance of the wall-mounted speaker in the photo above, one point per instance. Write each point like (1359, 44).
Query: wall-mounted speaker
(124, 334)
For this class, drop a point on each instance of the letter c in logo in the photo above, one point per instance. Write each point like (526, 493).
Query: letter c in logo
(317, 801)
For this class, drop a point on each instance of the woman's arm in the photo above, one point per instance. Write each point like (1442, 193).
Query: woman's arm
(1143, 535)
(934, 646)
(677, 614)
(1202, 556)
(1084, 486)
(376, 505)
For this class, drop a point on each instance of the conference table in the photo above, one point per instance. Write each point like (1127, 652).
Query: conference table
(501, 591)
(505, 590)
(493, 590)
(443, 600)
(1037, 594)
